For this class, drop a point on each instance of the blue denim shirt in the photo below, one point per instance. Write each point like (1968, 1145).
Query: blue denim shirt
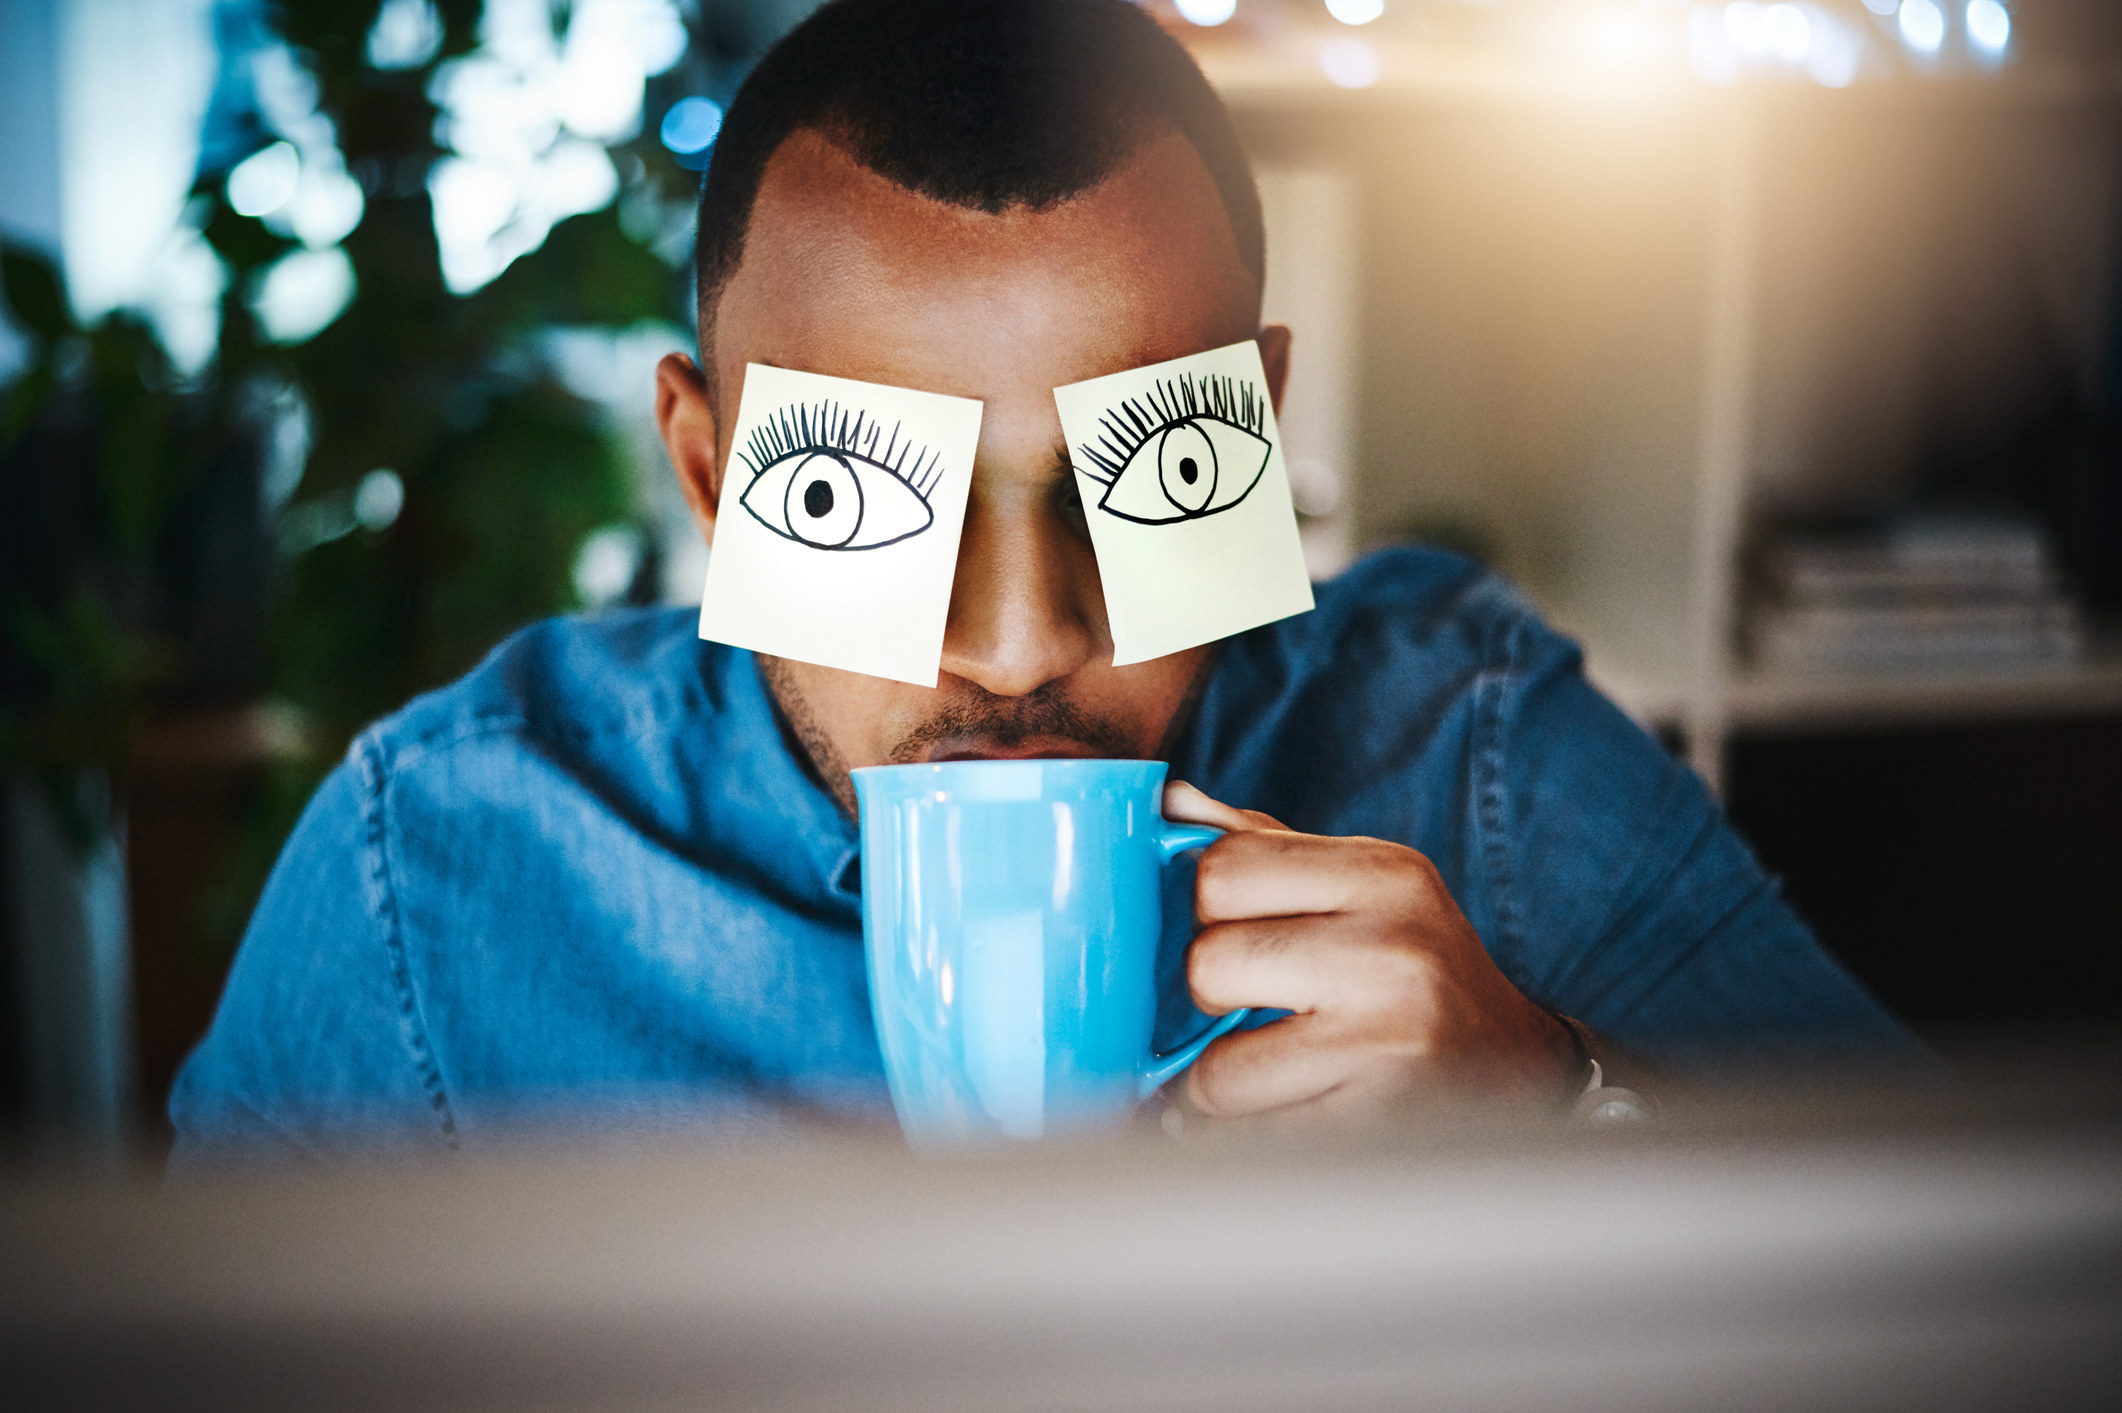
(596, 882)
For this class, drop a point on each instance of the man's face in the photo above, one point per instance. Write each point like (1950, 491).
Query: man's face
(848, 274)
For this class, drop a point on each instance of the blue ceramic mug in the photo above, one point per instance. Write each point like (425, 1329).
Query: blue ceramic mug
(1011, 915)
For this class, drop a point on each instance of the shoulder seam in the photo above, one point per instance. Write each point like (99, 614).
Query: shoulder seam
(444, 716)
(417, 747)
(412, 1023)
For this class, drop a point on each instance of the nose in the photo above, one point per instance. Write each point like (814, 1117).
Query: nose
(1025, 607)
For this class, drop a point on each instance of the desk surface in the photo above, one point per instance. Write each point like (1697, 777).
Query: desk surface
(1850, 1264)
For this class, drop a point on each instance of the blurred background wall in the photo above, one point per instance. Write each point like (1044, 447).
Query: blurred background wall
(328, 339)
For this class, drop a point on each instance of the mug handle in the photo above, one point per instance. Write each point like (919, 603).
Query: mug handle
(1175, 840)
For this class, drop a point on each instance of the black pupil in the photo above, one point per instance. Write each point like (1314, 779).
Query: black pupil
(818, 499)
(1188, 472)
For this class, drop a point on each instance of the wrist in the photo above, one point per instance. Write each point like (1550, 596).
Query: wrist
(1593, 1098)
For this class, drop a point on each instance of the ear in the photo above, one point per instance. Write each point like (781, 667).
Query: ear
(1274, 360)
(687, 420)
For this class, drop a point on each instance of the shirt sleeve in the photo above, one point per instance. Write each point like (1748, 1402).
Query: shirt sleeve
(1629, 902)
(317, 1040)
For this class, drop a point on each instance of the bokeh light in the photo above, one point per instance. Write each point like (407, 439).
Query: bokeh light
(378, 499)
(406, 35)
(263, 182)
(1348, 63)
(1789, 32)
(605, 566)
(1988, 25)
(302, 292)
(1207, 12)
(1355, 12)
(1922, 25)
(527, 116)
(689, 130)
(1788, 38)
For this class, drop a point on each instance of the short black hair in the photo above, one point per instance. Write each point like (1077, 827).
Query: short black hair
(985, 104)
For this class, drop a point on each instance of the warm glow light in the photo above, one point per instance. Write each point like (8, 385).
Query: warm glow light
(1922, 25)
(1789, 33)
(1355, 12)
(1207, 12)
(1747, 34)
(263, 181)
(1747, 24)
(1988, 25)
(1613, 36)
(1349, 63)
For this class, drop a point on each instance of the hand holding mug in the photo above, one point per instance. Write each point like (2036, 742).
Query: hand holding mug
(1393, 995)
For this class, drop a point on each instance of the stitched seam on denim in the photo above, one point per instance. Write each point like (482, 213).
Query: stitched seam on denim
(412, 1025)
(662, 712)
(405, 754)
(1492, 799)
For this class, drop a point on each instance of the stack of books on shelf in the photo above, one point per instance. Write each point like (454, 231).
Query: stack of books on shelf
(1919, 591)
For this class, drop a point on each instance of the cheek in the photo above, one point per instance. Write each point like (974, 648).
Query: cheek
(1150, 695)
(852, 706)
(835, 714)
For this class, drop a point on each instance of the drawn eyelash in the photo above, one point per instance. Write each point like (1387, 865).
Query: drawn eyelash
(1125, 429)
(828, 426)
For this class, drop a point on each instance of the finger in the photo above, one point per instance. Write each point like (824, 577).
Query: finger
(1290, 963)
(1286, 1062)
(1184, 804)
(1274, 873)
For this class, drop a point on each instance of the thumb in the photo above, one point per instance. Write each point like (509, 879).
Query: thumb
(1183, 804)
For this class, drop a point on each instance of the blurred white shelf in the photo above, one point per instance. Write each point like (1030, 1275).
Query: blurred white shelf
(1766, 699)
(1656, 702)
(1759, 698)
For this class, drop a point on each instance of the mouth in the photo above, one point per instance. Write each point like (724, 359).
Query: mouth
(1030, 748)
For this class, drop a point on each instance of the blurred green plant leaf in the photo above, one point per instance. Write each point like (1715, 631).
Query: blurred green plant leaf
(588, 272)
(34, 293)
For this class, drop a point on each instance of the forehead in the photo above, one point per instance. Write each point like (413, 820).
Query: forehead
(846, 272)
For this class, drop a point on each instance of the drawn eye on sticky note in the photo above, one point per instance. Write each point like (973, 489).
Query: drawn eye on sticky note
(1186, 448)
(1180, 469)
(834, 478)
(837, 534)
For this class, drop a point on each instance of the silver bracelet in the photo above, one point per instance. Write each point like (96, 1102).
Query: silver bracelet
(1600, 1104)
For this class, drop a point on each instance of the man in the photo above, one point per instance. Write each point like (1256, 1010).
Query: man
(611, 875)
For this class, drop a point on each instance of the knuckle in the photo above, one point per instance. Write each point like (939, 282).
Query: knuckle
(1208, 965)
(1214, 865)
(1410, 864)
(1220, 875)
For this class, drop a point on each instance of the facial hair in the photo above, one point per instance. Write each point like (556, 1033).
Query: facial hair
(980, 715)
(970, 712)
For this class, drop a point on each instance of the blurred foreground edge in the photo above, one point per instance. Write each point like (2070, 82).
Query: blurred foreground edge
(1883, 1246)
